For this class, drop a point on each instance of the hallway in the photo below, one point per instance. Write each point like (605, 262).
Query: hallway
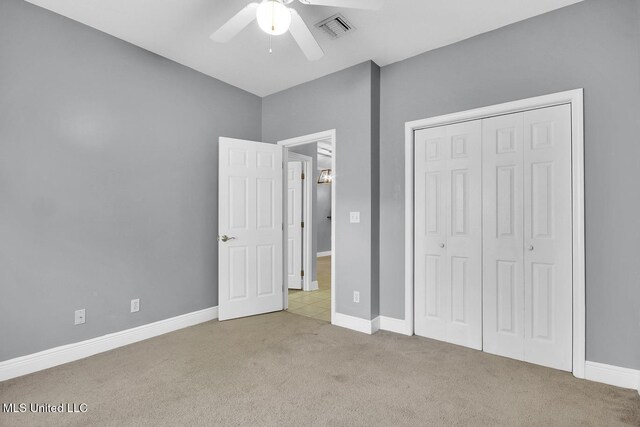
(315, 304)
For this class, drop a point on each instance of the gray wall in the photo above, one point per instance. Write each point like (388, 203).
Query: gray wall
(323, 210)
(340, 101)
(311, 150)
(108, 181)
(593, 45)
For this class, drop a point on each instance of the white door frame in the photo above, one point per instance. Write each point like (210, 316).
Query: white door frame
(576, 99)
(308, 139)
(307, 217)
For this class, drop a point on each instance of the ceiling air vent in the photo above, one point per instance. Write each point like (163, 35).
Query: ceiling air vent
(336, 26)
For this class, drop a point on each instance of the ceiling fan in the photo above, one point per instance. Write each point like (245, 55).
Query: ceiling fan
(275, 18)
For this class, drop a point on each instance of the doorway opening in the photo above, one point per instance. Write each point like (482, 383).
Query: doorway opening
(309, 230)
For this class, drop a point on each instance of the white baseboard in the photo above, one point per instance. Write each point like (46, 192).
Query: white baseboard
(326, 253)
(612, 375)
(314, 285)
(356, 323)
(399, 326)
(68, 353)
(375, 325)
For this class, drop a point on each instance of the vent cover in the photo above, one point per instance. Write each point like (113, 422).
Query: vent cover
(336, 26)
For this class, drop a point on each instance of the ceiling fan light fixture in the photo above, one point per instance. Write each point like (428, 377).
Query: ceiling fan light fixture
(273, 17)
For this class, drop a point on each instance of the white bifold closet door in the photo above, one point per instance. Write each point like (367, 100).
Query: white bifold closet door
(448, 233)
(527, 236)
(294, 225)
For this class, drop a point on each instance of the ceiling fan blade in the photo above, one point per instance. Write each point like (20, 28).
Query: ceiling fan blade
(352, 4)
(304, 38)
(236, 24)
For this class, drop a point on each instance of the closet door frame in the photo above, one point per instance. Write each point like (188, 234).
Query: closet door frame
(575, 98)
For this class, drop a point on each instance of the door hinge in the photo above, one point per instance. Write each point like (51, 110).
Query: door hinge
(302, 175)
(301, 273)
(302, 224)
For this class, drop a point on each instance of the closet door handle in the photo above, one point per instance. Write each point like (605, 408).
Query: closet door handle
(530, 248)
(442, 245)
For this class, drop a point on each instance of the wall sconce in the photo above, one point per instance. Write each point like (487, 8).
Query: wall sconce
(325, 177)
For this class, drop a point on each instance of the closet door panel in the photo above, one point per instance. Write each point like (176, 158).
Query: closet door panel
(431, 269)
(448, 233)
(548, 237)
(464, 234)
(503, 266)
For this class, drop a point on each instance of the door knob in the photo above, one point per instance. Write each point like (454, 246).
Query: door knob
(530, 247)
(225, 238)
(442, 245)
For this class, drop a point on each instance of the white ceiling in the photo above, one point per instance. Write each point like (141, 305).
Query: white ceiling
(180, 29)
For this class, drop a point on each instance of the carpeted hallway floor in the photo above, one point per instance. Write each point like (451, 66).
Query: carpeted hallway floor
(288, 370)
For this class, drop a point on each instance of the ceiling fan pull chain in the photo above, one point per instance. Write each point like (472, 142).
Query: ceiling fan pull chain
(270, 50)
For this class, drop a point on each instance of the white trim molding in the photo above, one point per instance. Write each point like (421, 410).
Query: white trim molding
(329, 136)
(399, 326)
(356, 323)
(323, 254)
(314, 285)
(45, 359)
(613, 375)
(576, 99)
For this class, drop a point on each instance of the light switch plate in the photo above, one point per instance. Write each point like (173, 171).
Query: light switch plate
(354, 217)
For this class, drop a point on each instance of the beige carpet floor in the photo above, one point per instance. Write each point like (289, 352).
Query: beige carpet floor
(288, 370)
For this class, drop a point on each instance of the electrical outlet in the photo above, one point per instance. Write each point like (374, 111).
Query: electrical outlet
(79, 317)
(135, 305)
(354, 217)
(356, 296)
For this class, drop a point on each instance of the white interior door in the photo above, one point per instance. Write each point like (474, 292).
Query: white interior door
(431, 275)
(548, 265)
(503, 235)
(448, 233)
(250, 227)
(294, 223)
(527, 236)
